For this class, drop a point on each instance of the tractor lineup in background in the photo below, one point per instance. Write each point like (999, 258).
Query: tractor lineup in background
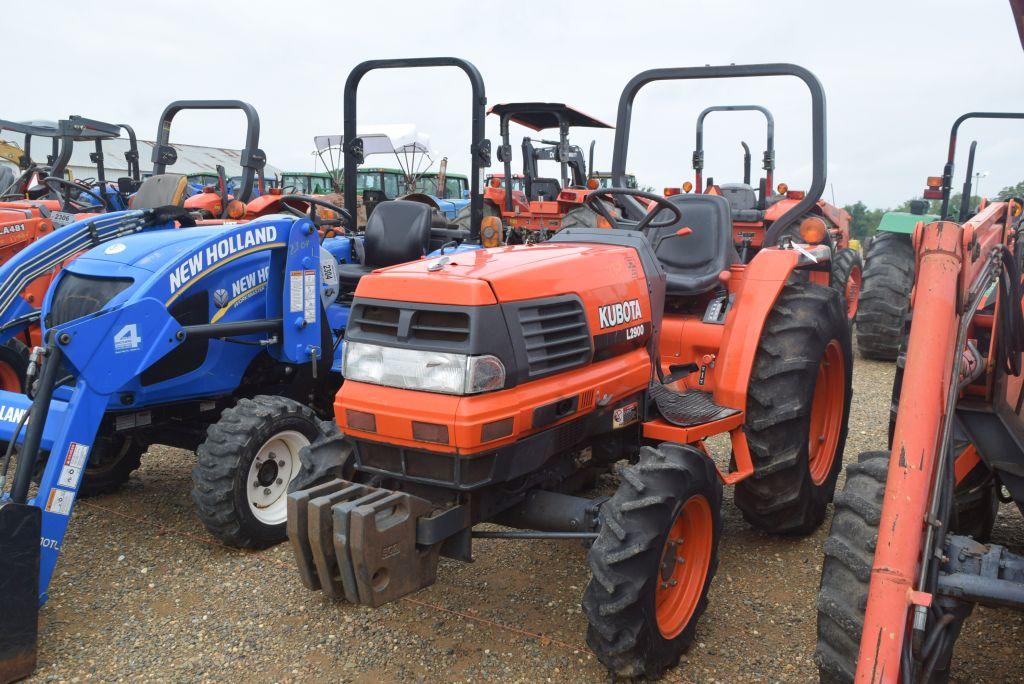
(370, 362)
(906, 558)
(756, 212)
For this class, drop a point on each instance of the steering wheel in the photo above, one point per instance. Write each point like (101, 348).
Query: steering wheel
(71, 199)
(647, 221)
(324, 226)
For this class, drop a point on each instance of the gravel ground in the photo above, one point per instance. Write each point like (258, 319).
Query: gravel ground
(142, 593)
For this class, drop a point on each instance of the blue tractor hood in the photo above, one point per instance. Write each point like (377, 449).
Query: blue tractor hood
(147, 251)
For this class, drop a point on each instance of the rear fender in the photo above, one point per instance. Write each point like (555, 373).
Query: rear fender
(762, 281)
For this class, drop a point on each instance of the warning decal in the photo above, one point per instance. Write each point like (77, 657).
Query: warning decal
(295, 292)
(74, 464)
(309, 295)
(60, 501)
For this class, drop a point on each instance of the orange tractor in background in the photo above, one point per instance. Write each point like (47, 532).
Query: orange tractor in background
(756, 212)
(906, 559)
(543, 205)
(495, 385)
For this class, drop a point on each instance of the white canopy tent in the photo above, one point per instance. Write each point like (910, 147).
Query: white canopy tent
(411, 148)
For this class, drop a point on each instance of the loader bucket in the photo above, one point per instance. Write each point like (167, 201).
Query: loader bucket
(20, 535)
(358, 543)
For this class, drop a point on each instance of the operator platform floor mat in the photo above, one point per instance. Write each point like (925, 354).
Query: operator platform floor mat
(692, 407)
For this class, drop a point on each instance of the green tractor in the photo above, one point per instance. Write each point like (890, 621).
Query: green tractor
(888, 277)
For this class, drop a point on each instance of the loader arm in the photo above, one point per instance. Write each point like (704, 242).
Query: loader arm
(944, 286)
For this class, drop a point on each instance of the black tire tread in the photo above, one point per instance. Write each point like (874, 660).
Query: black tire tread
(621, 630)
(846, 572)
(888, 277)
(219, 460)
(780, 496)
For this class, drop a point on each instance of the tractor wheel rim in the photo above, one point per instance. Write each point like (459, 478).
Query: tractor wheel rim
(853, 292)
(10, 381)
(275, 465)
(684, 566)
(827, 412)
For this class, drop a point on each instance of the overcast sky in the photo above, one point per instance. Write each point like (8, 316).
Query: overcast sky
(896, 74)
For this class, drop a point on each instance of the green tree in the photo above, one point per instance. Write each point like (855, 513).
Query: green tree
(863, 221)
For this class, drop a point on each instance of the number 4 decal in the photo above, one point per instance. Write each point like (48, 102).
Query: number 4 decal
(127, 339)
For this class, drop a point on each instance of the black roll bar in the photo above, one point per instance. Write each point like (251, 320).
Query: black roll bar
(947, 171)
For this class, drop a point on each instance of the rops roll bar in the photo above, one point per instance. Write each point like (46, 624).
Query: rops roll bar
(768, 161)
(947, 171)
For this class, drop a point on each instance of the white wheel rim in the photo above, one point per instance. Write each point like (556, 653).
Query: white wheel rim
(266, 486)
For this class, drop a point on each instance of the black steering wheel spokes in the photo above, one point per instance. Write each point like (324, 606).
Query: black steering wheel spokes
(70, 194)
(326, 226)
(594, 202)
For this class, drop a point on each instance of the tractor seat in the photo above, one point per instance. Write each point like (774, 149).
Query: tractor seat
(396, 232)
(743, 202)
(548, 187)
(161, 190)
(693, 262)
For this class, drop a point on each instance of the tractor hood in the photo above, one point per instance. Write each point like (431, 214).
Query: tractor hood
(500, 274)
(146, 251)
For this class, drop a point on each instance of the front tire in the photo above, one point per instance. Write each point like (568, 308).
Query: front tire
(240, 482)
(798, 405)
(653, 561)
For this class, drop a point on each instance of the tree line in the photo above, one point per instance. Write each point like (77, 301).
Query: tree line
(864, 220)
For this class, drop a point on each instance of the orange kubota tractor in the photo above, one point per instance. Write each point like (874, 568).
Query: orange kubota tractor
(543, 205)
(494, 385)
(756, 211)
(906, 558)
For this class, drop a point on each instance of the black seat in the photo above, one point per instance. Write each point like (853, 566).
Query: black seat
(693, 262)
(398, 231)
(743, 202)
(548, 187)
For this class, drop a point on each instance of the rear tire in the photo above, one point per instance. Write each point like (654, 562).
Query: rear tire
(885, 295)
(240, 482)
(640, 621)
(846, 279)
(798, 405)
(13, 364)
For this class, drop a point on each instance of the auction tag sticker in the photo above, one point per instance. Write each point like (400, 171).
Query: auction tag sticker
(295, 292)
(74, 464)
(60, 501)
(309, 296)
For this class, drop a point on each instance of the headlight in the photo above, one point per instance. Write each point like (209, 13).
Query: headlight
(422, 370)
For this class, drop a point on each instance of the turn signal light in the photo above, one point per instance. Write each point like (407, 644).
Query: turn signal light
(671, 191)
(812, 230)
(490, 231)
(430, 432)
(593, 184)
(783, 188)
(495, 182)
(361, 420)
(496, 429)
(236, 209)
(795, 194)
(687, 186)
(934, 181)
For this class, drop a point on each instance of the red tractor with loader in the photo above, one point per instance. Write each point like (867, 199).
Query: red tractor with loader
(495, 385)
(756, 211)
(907, 557)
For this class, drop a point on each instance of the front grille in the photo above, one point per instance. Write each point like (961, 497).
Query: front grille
(446, 326)
(556, 336)
(412, 324)
(78, 296)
